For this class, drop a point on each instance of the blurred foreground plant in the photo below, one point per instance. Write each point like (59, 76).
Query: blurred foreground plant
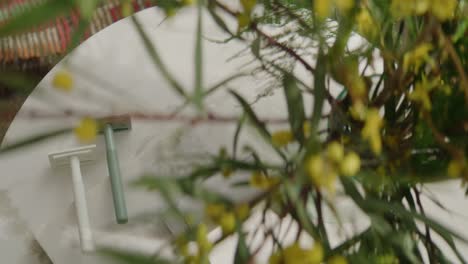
(400, 121)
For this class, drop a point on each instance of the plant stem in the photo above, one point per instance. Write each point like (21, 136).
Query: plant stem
(456, 60)
(429, 244)
(321, 224)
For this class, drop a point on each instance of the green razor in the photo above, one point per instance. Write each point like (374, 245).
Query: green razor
(107, 127)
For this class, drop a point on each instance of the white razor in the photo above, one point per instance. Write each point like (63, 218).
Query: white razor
(75, 157)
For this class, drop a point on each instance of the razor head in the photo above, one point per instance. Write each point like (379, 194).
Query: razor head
(118, 123)
(84, 154)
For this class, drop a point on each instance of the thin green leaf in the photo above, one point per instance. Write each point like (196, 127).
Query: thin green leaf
(87, 7)
(241, 184)
(319, 89)
(349, 243)
(255, 46)
(235, 141)
(217, 19)
(295, 104)
(222, 83)
(78, 34)
(301, 212)
(370, 204)
(198, 93)
(460, 32)
(125, 258)
(36, 16)
(166, 187)
(242, 251)
(158, 63)
(259, 125)
(34, 139)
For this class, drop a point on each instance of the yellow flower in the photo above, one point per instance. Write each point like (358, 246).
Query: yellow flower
(420, 94)
(243, 21)
(275, 258)
(322, 8)
(337, 260)
(455, 168)
(344, 5)
(315, 166)
(358, 110)
(214, 211)
(63, 80)
(248, 5)
(415, 58)
(306, 129)
(335, 151)
(282, 138)
(226, 171)
(204, 245)
(227, 223)
(127, 9)
(351, 164)
(366, 24)
(260, 180)
(421, 6)
(404, 8)
(315, 255)
(357, 87)
(401, 8)
(242, 211)
(87, 130)
(387, 259)
(321, 173)
(371, 130)
(443, 9)
(181, 244)
(187, 2)
(294, 254)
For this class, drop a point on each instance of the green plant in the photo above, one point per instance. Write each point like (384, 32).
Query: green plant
(388, 132)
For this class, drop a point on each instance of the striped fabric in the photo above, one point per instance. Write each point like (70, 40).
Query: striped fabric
(51, 40)
(35, 52)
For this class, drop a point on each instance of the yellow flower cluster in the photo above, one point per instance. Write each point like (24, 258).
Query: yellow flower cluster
(337, 260)
(63, 80)
(219, 214)
(323, 8)
(420, 94)
(294, 254)
(204, 247)
(441, 9)
(323, 171)
(366, 25)
(259, 180)
(387, 259)
(455, 168)
(414, 59)
(87, 130)
(371, 131)
(282, 138)
(243, 18)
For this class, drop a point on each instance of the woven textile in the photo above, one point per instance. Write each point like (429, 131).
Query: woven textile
(52, 39)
